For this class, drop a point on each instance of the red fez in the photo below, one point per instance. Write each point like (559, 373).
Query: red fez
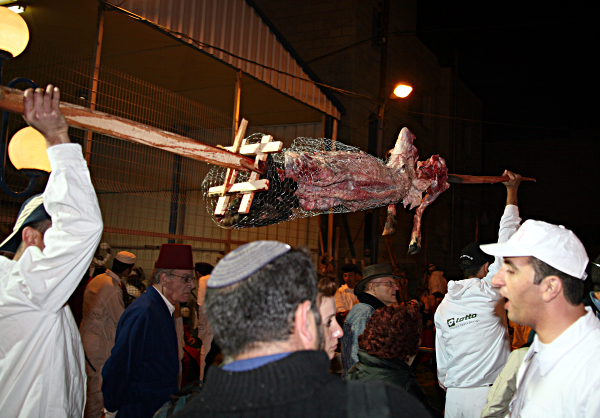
(175, 256)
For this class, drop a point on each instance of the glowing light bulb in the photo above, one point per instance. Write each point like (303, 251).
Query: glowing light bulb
(14, 35)
(402, 90)
(27, 150)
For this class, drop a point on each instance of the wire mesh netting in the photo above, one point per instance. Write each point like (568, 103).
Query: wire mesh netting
(312, 177)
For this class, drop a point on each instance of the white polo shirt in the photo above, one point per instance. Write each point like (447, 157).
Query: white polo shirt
(561, 379)
(345, 299)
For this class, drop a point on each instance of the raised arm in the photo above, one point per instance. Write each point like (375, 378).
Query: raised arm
(510, 219)
(47, 278)
(512, 187)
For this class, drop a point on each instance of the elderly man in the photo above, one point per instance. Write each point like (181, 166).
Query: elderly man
(102, 307)
(377, 289)
(42, 368)
(542, 279)
(345, 298)
(472, 343)
(141, 373)
(260, 302)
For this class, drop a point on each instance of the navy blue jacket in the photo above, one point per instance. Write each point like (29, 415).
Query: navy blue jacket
(141, 372)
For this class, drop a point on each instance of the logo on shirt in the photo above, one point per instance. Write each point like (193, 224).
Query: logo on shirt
(453, 322)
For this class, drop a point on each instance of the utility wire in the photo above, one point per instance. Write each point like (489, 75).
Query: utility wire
(249, 61)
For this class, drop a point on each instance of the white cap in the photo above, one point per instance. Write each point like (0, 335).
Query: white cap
(125, 257)
(555, 245)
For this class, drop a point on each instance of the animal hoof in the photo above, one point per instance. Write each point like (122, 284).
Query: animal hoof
(413, 248)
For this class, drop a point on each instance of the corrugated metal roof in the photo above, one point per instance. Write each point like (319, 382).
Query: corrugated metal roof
(238, 33)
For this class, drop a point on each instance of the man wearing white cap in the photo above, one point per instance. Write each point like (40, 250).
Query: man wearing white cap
(42, 366)
(102, 307)
(542, 277)
(472, 343)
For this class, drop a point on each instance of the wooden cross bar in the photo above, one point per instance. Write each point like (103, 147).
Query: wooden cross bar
(254, 183)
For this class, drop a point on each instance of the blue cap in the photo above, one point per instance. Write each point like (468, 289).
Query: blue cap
(244, 261)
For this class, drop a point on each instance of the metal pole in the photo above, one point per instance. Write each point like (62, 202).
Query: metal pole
(236, 102)
(454, 135)
(380, 115)
(95, 76)
(330, 219)
(236, 125)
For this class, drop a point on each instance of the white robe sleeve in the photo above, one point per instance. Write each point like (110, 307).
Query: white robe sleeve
(47, 279)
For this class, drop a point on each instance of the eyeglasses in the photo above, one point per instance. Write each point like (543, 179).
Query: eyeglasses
(388, 283)
(185, 279)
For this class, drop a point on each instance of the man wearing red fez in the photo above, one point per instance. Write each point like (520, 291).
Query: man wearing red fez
(141, 372)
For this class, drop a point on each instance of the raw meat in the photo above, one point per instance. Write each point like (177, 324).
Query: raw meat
(353, 181)
(435, 170)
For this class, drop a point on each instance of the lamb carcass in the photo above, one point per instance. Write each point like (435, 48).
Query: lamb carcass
(353, 181)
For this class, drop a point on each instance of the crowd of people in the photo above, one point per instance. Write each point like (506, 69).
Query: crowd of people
(258, 334)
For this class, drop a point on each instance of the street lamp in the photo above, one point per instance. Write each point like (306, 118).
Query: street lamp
(14, 35)
(20, 152)
(401, 91)
(25, 154)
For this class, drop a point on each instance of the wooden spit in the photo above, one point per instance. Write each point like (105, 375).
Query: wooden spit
(466, 179)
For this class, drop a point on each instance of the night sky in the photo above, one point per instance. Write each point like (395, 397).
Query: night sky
(531, 66)
(536, 71)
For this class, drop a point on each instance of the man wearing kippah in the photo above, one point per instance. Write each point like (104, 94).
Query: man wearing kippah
(42, 367)
(260, 303)
(542, 279)
(472, 343)
(102, 307)
(141, 372)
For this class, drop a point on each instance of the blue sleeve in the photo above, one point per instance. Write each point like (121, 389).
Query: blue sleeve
(353, 328)
(125, 358)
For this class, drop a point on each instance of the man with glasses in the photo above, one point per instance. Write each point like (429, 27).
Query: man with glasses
(141, 373)
(377, 289)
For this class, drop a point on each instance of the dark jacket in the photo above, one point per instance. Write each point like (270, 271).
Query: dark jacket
(393, 371)
(295, 386)
(141, 372)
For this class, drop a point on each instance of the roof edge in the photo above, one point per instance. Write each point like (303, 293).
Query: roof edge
(313, 76)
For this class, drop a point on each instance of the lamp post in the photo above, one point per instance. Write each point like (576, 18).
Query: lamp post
(27, 154)
(401, 91)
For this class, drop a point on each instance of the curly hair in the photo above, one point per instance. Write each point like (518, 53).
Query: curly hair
(392, 332)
